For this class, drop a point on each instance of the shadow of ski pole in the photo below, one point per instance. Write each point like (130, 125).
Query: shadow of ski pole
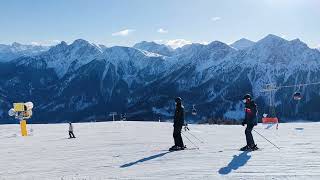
(144, 159)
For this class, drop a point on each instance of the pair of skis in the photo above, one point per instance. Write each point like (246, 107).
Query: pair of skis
(195, 146)
(185, 149)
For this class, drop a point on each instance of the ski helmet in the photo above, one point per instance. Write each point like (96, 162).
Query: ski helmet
(178, 100)
(246, 97)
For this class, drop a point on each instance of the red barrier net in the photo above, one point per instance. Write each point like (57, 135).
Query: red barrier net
(270, 120)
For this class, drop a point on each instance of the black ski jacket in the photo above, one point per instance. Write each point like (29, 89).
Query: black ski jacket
(250, 113)
(178, 119)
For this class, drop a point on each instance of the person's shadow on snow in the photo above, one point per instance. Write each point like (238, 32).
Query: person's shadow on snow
(236, 162)
(144, 159)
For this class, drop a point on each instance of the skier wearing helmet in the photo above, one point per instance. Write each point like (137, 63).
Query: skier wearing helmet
(177, 124)
(250, 120)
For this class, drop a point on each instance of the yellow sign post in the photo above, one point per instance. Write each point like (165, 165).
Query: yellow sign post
(23, 125)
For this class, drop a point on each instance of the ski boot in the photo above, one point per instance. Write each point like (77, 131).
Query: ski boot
(245, 148)
(175, 148)
(254, 147)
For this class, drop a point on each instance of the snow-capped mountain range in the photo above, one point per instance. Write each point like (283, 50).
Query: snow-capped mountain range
(83, 81)
(15, 50)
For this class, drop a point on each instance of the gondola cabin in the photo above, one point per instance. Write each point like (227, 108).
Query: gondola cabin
(297, 96)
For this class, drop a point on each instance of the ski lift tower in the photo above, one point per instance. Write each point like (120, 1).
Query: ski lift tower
(194, 111)
(113, 114)
(271, 88)
(123, 117)
(271, 117)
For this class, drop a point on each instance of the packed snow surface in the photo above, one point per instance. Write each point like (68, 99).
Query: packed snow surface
(138, 150)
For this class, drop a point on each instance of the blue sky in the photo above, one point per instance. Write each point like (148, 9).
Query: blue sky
(125, 22)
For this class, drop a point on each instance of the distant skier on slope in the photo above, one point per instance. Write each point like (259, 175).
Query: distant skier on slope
(177, 124)
(71, 135)
(251, 121)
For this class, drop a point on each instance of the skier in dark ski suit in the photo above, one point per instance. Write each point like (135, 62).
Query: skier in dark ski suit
(177, 124)
(71, 135)
(251, 121)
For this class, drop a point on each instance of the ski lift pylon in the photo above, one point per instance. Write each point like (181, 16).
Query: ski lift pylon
(271, 118)
(272, 88)
(194, 111)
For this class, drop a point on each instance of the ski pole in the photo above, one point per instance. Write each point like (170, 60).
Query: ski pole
(186, 128)
(190, 140)
(195, 137)
(266, 139)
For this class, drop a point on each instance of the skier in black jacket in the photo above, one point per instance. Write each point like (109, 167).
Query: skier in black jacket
(177, 124)
(71, 135)
(251, 121)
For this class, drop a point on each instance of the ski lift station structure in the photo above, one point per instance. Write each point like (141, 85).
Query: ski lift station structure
(272, 89)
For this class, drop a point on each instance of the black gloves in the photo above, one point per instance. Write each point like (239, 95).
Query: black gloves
(243, 123)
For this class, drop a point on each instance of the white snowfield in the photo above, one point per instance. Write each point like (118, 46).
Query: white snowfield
(138, 150)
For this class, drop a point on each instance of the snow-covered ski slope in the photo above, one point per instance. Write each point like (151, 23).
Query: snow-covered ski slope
(137, 150)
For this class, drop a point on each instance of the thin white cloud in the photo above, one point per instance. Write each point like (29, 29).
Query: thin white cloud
(124, 32)
(162, 31)
(176, 43)
(215, 18)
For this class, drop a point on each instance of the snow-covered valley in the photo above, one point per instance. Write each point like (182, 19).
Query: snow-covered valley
(138, 150)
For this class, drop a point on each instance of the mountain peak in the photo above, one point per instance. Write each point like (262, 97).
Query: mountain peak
(272, 38)
(242, 43)
(218, 44)
(74, 45)
(58, 47)
(270, 41)
(80, 42)
(298, 41)
(63, 43)
(297, 44)
(143, 44)
(154, 48)
(215, 43)
(147, 43)
(16, 44)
